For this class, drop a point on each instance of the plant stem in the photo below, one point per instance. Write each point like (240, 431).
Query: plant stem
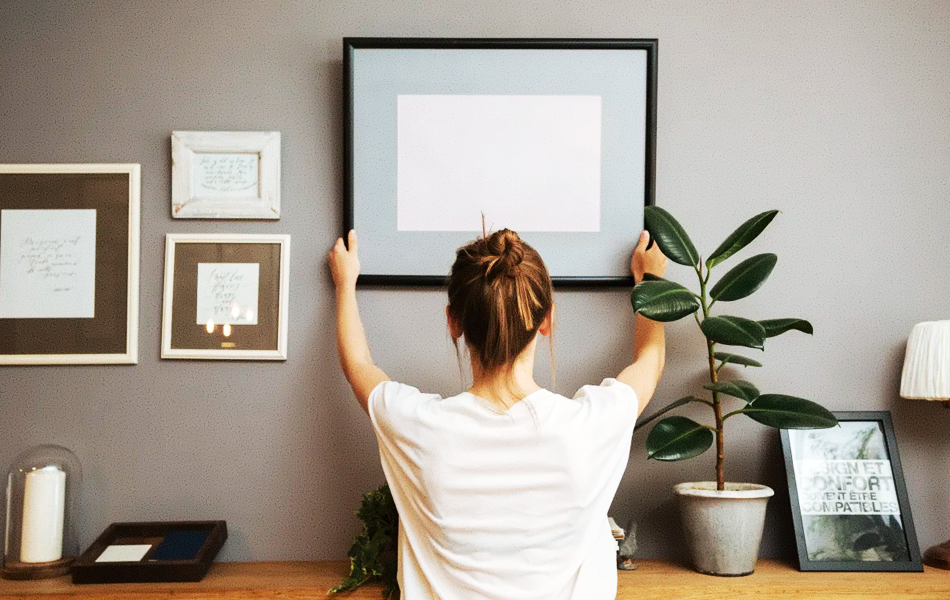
(713, 378)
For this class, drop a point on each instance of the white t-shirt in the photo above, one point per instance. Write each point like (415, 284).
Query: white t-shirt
(505, 505)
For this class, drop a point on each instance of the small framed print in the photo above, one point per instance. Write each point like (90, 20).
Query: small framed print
(849, 501)
(69, 264)
(226, 296)
(226, 174)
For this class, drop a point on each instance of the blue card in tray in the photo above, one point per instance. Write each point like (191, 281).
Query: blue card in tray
(180, 544)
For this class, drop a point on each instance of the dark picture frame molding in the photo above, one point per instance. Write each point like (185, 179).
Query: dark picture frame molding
(867, 526)
(412, 248)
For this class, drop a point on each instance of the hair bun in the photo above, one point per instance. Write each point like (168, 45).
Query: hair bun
(505, 251)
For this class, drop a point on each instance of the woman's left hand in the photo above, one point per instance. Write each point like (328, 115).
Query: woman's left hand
(344, 262)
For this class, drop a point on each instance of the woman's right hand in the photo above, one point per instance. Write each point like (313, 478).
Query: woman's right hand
(651, 261)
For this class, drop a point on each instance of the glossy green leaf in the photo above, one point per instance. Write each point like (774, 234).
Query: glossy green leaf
(670, 235)
(678, 438)
(652, 277)
(774, 327)
(734, 331)
(663, 300)
(666, 409)
(789, 412)
(741, 237)
(736, 388)
(735, 359)
(745, 278)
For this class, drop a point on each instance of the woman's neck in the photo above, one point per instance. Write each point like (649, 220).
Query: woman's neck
(507, 387)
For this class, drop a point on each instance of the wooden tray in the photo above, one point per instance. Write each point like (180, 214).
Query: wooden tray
(160, 562)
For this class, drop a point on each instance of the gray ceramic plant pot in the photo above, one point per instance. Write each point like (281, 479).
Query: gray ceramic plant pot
(723, 529)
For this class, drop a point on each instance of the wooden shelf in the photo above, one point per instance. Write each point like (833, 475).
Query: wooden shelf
(654, 579)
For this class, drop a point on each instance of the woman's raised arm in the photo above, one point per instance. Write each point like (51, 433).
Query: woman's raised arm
(649, 341)
(351, 343)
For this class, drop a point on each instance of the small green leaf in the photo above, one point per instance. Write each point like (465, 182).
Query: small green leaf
(745, 278)
(734, 331)
(789, 412)
(666, 409)
(774, 327)
(678, 438)
(735, 359)
(741, 237)
(742, 390)
(652, 277)
(663, 300)
(670, 235)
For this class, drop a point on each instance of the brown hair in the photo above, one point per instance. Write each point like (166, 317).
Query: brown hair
(499, 293)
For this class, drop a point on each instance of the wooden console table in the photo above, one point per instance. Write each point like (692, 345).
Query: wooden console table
(654, 579)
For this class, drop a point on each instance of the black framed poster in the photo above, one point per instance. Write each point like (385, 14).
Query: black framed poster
(849, 502)
(553, 138)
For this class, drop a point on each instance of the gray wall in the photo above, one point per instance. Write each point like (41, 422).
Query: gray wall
(834, 112)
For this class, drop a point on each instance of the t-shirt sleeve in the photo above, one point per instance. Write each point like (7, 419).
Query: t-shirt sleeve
(391, 405)
(612, 404)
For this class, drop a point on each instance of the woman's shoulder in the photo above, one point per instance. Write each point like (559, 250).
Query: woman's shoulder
(390, 391)
(608, 388)
(611, 397)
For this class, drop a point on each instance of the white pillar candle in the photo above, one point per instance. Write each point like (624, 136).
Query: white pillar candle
(44, 508)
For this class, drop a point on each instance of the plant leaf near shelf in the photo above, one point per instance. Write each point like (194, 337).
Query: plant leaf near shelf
(676, 404)
(678, 438)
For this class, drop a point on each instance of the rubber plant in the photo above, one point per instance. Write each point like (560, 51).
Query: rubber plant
(676, 437)
(373, 555)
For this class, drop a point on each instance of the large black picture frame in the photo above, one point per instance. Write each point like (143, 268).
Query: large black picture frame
(376, 73)
(848, 498)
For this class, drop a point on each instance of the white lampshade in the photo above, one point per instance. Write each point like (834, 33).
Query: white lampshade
(926, 374)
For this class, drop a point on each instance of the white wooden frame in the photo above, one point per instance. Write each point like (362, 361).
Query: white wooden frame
(171, 241)
(189, 146)
(131, 354)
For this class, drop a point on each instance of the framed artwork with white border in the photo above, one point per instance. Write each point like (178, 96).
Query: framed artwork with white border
(69, 263)
(226, 296)
(226, 174)
(553, 138)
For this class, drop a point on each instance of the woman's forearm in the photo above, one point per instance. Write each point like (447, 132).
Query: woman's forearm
(649, 358)
(353, 348)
